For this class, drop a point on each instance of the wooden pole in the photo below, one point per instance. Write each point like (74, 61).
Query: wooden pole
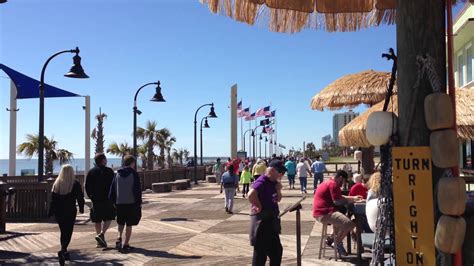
(420, 31)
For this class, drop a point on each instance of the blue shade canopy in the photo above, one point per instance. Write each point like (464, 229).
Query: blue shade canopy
(28, 88)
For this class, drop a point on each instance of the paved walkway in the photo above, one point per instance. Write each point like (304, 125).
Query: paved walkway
(184, 227)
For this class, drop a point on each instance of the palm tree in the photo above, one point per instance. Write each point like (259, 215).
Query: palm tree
(52, 153)
(141, 153)
(121, 149)
(178, 156)
(98, 132)
(165, 142)
(149, 135)
(186, 154)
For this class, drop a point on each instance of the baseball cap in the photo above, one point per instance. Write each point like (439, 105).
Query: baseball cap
(278, 165)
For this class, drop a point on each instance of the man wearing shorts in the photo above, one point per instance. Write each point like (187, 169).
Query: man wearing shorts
(126, 193)
(98, 181)
(327, 197)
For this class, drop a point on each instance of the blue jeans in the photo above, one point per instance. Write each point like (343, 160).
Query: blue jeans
(318, 177)
(303, 183)
(291, 180)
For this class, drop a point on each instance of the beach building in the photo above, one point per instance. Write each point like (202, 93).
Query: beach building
(463, 30)
(326, 141)
(339, 121)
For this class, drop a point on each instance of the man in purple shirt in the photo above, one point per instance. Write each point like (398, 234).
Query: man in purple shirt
(265, 223)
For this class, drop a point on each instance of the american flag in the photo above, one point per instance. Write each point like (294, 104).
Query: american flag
(239, 105)
(269, 130)
(263, 111)
(243, 112)
(250, 117)
(272, 114)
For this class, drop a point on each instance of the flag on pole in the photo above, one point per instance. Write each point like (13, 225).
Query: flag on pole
(239, 105)
(250, 117)
(272, 114)
(263, 111)
(269, 130)
(244, 112)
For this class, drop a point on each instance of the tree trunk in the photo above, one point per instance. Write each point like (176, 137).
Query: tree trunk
(420, 31)
(368, 160)
(150, 156)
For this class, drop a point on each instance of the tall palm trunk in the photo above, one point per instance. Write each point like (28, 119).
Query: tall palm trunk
(150, 154)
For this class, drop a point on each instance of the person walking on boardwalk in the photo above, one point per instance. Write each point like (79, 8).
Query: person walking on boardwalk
(259, 169)
(265, 222)
(126, 194)
(318, 168)
(291, 172)
(98, 182)
(65, 192)
(229, 182)
(245, 179)
(218, 170)
(303, 171)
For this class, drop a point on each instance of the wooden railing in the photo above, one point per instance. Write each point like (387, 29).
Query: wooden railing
(334, 166)
(32, 201)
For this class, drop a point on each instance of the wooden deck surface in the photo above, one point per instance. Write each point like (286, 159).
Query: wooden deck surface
(183, 227)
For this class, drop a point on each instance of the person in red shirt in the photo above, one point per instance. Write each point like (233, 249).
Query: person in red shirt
(359, 188)
(327, 197)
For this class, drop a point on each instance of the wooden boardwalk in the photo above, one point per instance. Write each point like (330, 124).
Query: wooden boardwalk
(184, 227)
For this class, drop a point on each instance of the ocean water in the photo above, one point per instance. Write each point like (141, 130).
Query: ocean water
(31, 165)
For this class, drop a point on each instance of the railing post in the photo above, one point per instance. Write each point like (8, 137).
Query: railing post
(50, 182)
(298, 236)
(3, 208)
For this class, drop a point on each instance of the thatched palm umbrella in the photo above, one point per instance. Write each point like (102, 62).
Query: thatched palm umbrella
(294, 15)
(366, 87)
(353, 134)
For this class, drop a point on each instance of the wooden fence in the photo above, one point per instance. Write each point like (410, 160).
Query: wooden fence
(333, 167)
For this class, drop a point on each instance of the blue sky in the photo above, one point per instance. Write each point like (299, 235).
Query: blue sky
(196, 55)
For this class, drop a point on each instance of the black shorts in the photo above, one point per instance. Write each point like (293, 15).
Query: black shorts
(102, 211)
(128, 214)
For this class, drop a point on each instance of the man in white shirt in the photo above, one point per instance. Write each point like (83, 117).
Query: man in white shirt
(303, 171)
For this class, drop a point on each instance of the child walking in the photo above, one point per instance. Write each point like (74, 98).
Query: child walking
(245, 179)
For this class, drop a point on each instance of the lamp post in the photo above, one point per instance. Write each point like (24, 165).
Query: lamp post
(266, 140)
(254, 140)
(156, 98)
(212, 114)
(260, 145)
(248, 130)
(206, 125)
(76, 71)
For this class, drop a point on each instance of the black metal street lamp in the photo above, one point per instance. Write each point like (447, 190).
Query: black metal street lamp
(158, 97)
(76, 71)
(245, 132)
(206, 125)
(266, 140)
(212, 114)
(254, 141)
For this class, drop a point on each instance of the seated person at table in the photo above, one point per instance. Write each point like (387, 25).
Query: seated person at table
(359, 188)
(326, 199)
(371, 208)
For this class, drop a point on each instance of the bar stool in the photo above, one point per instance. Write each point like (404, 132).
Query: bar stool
(323, 246)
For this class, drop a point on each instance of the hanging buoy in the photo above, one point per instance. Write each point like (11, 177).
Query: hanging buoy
(380, 127)
(450, 233)
(444, 148)
(438, 111)
(452, 195)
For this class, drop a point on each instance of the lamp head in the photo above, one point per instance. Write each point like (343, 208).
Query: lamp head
(261, 137)
(76, 70)
(266, 139)
(158, 97)
(264, 131)
(271, 141)
(206, 124)
(212, 114)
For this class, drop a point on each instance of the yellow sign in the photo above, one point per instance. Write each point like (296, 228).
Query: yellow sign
(413, 206)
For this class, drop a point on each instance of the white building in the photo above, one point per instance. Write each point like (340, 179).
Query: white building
(339, 121)
(463, 30)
